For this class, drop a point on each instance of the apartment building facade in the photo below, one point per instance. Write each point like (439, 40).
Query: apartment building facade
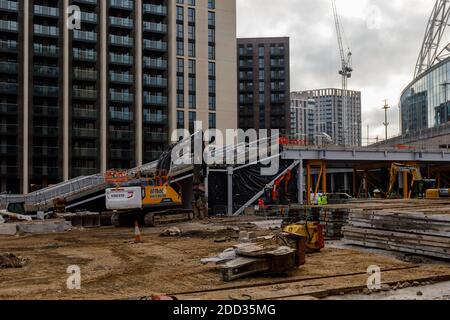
(78, 101)
(328, 116)
(264, 84)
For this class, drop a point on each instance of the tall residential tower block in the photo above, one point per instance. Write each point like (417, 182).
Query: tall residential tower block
(78, 101)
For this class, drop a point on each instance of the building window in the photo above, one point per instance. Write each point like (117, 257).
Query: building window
(192, 67)
(180, 66)
(211, 19)
(180, 119)
(211, 69)
(180, 14)
(180, 31)
(212, 121)
(211, 35)
(212, 103)
(192, 119)
(191, 49)
(192, 101)
(180, 100)
(180, 48)
(211, 52)
(191, 3)
(211, 4)
(191, 15)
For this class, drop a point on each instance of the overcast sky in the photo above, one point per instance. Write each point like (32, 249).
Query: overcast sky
(385, 37)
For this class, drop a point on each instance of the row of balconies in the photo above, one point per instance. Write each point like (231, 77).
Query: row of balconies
(9, 5)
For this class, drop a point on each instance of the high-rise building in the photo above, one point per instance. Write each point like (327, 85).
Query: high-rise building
(328, 119)
(302, 117)
(264, 84)
(78, 101)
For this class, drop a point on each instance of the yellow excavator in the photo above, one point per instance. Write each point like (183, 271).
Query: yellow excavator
(420, 187)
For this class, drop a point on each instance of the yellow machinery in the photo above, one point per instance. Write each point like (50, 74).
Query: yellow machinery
(154, 200)
(437, 193)
(312, 231)
(423, 188)
(160, 196)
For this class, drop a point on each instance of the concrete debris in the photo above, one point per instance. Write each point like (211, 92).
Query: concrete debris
(228, 255)
(15, 216)
(171, 232)
(44, 227)
(9, 260)
(8, 229)
(83, 219)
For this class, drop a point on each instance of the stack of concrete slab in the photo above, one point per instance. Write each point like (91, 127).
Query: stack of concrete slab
(333, 221)
(416, 231)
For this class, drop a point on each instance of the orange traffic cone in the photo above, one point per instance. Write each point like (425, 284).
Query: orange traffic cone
(137, 233)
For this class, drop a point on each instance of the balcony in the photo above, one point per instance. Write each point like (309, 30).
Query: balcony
(121, 96)
(122, 4)
(45, 151)
(7, 25)
(51, 172)
(89, 17)
(85, 74)
(246, 64)
(49, 31)
(46, 50)
(123, 154)
(246, 100)
(46, 90)
(86, 55)
(9, 67)
(274, 63)
(45, 131)
(84, 113)
(277, 75)
(121, 115)
(121, 22)
(46, 71)
(155, 81)
(155, 63)
(85, 152)
(9, 5)
(152, 155)
(88, 36)
(81, 172)
(277, 51)
(46, 11)
(85, 133)
(7, 87)
(154, 118)
(121, 134)
(8, 108)
(156, 136)
(8, 45)
(125, 41)
(10, 171)
(155, 9)
(121, 59)
(155, 27)
(8, 129)
(89, 94)
(155, 45)
(46, 111)
(121, 77)
(8, 150)
(154, 100)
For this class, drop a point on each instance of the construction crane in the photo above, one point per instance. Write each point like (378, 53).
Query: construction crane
(346, 68)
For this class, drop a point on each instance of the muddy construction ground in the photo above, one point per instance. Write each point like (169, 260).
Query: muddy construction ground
(114, 267)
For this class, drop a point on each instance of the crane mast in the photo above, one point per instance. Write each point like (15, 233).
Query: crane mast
(345, 72)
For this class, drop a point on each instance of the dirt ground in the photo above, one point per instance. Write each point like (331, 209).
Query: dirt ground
(114, 267)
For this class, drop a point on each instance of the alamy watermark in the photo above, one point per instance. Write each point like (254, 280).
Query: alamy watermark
(73, 21)
(374, 279)
(74, 280)
(232, 147)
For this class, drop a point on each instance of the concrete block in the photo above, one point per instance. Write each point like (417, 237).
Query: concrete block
(45, 227)
(8, 229)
